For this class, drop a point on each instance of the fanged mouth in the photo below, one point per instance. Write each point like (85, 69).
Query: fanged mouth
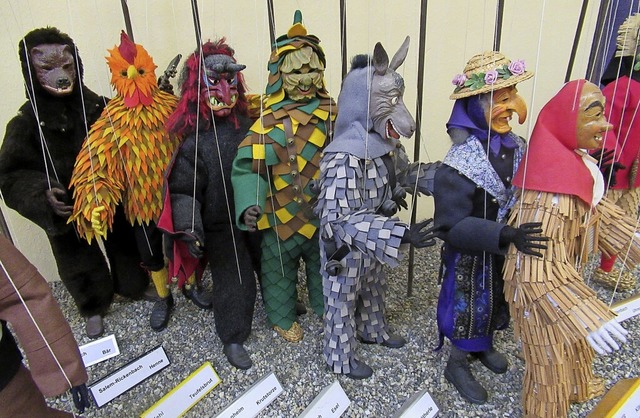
(391, 130)
(215, 104)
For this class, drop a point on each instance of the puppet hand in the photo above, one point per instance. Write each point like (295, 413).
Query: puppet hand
(526, 238)
(194, 245)
(420, 237)
(56, 198)
(81, 397)
(97, 224)
(388, 208)
(601, 340)
(250, 217)
(399, 195)
(609, 173)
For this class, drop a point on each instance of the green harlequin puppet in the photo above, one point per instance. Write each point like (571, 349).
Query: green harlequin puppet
(274, 171)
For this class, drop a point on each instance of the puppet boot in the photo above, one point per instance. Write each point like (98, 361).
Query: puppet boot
(359, 370)
(196, 293)
(459, 375)
(493, 360)
(94, 326)
(161, 311)
(293, 334)
(237, 355)
(614, 279)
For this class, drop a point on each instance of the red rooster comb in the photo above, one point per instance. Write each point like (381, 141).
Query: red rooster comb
(127, 48)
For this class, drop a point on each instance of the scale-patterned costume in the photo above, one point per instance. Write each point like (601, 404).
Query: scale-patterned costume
(273, 169)
(125, 155)
(360, 174)
(552, 308)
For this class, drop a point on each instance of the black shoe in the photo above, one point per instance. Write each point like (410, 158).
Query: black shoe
(237, 356)
(199, 296)
(94, 326)
(394, 341)
(301, 309)
(459, 375)
(150, 294)
(493, 360)
(359, 370)
(161, 313)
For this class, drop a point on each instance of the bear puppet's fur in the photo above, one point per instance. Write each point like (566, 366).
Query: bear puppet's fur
(36, 161)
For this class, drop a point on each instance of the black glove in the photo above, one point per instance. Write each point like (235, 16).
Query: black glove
(81, 398)
(193, 244)
(250, 217)
(56, 198)
(399, 195)
(420, 237)
(388, 208)
(526, 238)
(607, 167)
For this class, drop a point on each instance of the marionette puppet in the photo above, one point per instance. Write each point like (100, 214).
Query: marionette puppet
(121, 166)
(273, 175)
(55, 364)
(359, 194)
(473, 194)
(621, 79)
(212, 118)
(36, 161)
(557, 317)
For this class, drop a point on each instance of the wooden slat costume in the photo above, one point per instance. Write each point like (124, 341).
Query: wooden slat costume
(274, 169)
(622, 91)
(123, 161)
(555, 313)
(25, 297)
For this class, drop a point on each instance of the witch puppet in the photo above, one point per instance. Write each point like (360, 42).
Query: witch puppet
(273, 175)
(473, 194)
(557, 317)
(621, 79)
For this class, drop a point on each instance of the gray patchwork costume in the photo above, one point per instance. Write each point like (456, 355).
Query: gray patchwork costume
(359, 176)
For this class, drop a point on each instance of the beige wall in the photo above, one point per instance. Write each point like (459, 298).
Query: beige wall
(457, 29)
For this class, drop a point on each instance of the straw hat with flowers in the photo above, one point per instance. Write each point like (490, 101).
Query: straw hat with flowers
(487, 72)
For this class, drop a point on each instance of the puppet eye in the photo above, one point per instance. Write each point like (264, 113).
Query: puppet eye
(394, 100)
(123, 73)
(141, 71)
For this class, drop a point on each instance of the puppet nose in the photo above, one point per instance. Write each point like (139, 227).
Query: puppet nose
(63, 82)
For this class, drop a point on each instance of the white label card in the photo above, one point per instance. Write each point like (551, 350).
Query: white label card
(108, 388)
(99, 350)
(330, 403)
(626, 309)
(420, 405)
(255, 399)
(184, 396)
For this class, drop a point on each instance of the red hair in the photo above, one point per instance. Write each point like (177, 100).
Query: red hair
(183, 120)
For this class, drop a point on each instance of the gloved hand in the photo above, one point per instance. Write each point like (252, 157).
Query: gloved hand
(601, 340)
(81, 398)
(388, 208)
(420, 237)
(250, 217)
(196, 249)
(399, 195)
(97, 224)
(608, 168)
(56, 198)
(526, 238)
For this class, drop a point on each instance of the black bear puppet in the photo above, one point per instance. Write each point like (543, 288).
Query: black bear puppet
(36, 160)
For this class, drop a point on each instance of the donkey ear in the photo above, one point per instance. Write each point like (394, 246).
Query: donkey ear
(399, 57)
(380, 59)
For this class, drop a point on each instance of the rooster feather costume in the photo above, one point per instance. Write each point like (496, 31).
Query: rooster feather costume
(123, 161)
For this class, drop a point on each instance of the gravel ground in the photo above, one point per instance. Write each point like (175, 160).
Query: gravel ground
(190, 340)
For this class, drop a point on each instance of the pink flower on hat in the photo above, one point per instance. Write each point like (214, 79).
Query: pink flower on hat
(491, 77)
(459, 80)
(517, 67)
